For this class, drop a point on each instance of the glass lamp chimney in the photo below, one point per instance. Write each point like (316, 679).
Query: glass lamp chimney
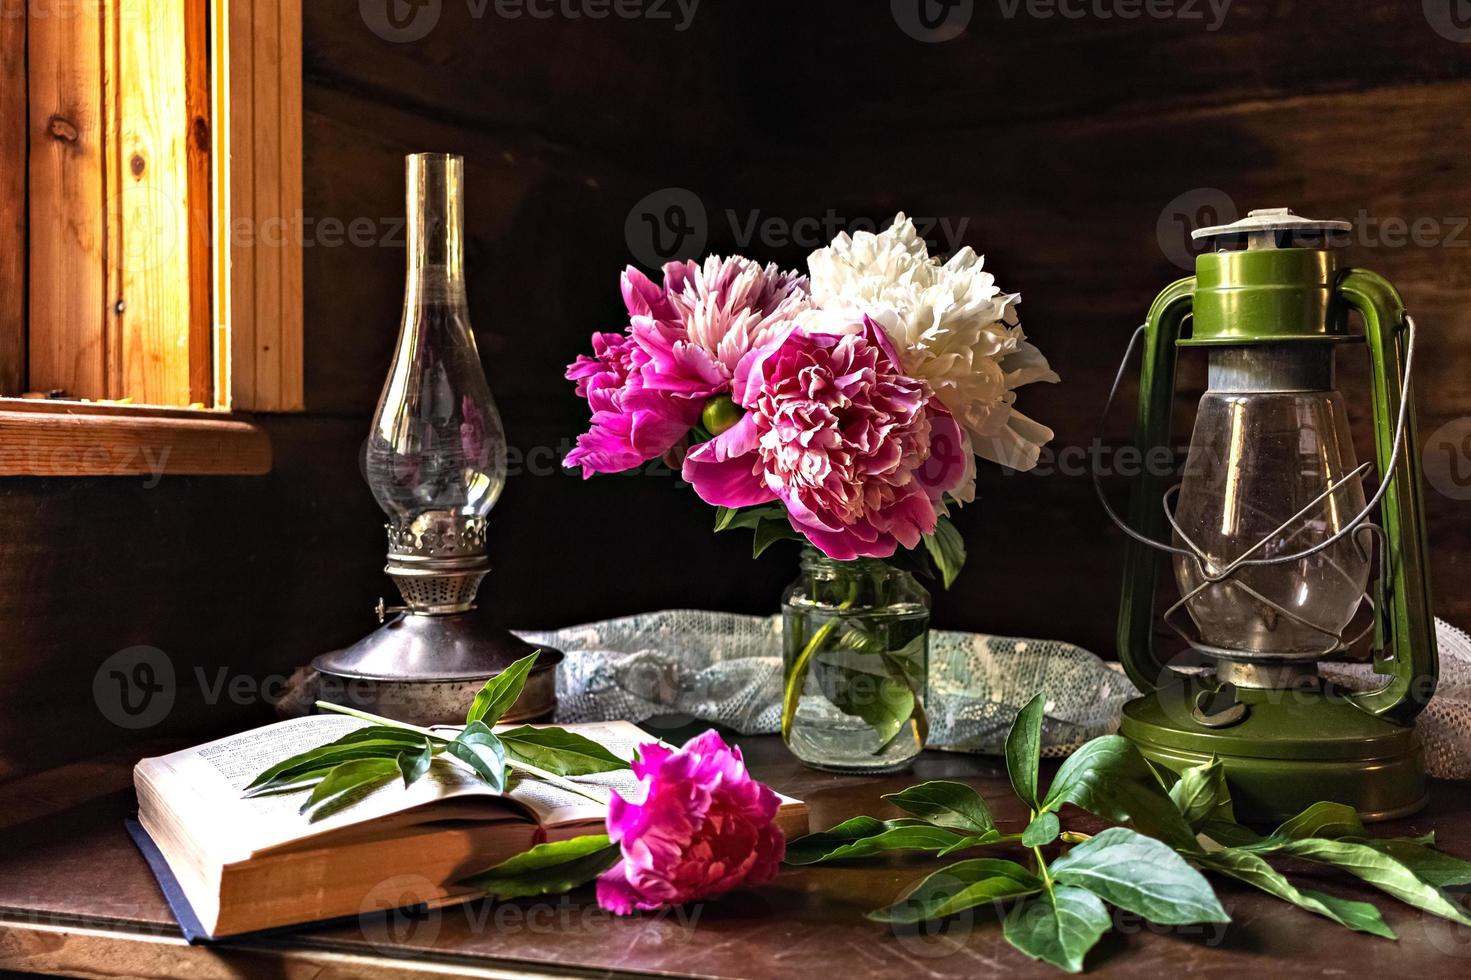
(1271, 438)
(436, 456)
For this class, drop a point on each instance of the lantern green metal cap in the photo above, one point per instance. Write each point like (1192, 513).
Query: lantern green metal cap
(1266, 293)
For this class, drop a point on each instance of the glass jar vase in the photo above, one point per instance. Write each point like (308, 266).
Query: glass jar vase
(855, 639)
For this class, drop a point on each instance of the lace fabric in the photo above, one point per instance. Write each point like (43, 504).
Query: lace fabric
(724, 668)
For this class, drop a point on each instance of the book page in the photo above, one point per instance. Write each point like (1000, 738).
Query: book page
(205, 784)
(554, 806)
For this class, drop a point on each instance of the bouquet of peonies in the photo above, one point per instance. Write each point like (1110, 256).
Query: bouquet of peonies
(846, 410)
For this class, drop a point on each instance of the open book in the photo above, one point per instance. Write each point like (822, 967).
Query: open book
(250, 864)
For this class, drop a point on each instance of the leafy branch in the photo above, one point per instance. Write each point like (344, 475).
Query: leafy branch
(341, 773)
(1056, 912)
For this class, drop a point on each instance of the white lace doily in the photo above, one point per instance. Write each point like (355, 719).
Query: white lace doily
(725, 668)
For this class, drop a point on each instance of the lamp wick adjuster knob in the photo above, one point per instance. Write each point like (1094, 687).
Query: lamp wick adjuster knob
(382, 610)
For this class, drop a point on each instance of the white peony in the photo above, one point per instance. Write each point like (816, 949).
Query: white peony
(950, 324)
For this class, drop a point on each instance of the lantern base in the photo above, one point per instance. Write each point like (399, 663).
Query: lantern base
(426, 670)
(1292, 748)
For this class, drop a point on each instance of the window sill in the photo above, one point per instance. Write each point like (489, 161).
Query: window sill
(53, 438)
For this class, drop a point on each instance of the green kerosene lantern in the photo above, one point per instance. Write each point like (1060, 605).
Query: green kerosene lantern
(1273, 538)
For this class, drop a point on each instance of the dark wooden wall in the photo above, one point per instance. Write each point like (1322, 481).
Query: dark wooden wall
(1063, 145)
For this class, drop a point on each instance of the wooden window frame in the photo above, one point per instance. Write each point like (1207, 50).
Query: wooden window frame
(246, 148)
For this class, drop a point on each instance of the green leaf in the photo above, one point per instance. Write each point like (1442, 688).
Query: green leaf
(863, 678)
(915, 561)
(377, 742)
(884, 703)
(1141, 875)
(375, 733)
(809, 849)
(1058, 926)
(769, 532)
(904, 665)
(796, 678)
(559, 752)
(728, 518)
(1330, 820)
(1229, 833)
(386, 733)
(500, 692)
(947, 550)
(1201, 795)
(919, 837)
(1255, 871)
(479, 748)
(318, 765)
(1108, 777)
(346, 784)
(1043, 830)
(413, 765)
(1358, 916)
(865, 836)
(945, 804)
(1435, 868)
(1024, 750)
(958, 887)
(1336, 821)
(967, 841)
(1380, 870)
(549, 869)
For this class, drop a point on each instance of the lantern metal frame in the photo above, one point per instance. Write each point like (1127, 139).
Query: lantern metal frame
(1287, 738)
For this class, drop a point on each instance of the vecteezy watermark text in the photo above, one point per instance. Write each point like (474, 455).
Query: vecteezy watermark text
(937, 21)
(401, 910)
(1211, 13)
(407, 21)
(673, 224)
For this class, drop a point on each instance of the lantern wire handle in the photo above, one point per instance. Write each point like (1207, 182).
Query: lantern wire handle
(1347, 529)
(1123, 525)
(1394, 457)
(1204, 563)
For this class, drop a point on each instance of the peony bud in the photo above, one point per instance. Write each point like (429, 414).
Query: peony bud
(721, 413)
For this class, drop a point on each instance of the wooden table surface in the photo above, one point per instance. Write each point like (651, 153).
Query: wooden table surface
(77, 899)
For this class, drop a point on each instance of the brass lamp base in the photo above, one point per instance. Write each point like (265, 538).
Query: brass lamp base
(425, 669)
(1289, 750)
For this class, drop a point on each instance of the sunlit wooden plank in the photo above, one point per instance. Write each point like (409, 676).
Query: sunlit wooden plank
(264, 310)
(13, 124)
(153, 254)
(198, 144)
(272, 228)
(47, 439)
(67, 301)
(289, 395)
(240, 79)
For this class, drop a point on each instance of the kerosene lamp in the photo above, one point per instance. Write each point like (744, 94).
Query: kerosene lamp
(435, 461)
(1272, 536)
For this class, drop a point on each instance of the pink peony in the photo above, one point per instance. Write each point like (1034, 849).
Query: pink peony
(704, 826)
(723, 309)
(684, 342)
(629, 424)
(860, 454)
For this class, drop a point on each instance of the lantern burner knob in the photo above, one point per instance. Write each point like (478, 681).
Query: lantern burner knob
(1269, 228)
